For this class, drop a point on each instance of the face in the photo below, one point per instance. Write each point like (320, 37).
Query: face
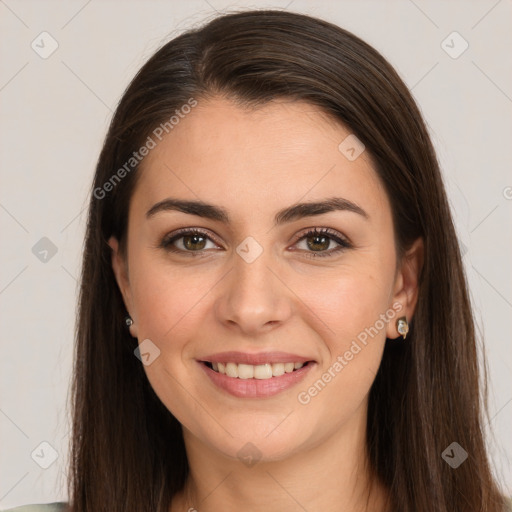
(294, 303)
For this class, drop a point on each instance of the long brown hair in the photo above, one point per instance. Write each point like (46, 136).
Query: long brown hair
(127, 450)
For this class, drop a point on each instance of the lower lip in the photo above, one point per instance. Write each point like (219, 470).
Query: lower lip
(256, 388)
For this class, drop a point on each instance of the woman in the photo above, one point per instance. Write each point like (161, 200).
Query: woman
(273, 310)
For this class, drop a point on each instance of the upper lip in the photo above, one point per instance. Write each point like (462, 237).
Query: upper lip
(254, 358)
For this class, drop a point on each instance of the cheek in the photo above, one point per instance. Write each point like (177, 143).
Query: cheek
(169, 305)
(355, 306)
(356, 310)
(350, 301)
(167, 298)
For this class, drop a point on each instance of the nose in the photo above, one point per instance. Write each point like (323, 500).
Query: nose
(253, 298)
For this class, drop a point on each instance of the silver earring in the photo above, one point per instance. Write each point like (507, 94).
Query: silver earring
(128, 321)
(402, 326)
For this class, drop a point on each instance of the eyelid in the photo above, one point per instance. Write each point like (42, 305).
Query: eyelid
(322, 231)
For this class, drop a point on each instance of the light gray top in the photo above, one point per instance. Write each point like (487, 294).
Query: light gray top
(46, 507)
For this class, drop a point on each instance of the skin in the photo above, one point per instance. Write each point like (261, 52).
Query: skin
(253, 163)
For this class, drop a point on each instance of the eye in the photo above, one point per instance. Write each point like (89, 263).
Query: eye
(191, 242)
(318, 241)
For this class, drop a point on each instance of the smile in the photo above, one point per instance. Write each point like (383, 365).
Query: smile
(264, 380)
(248, 371)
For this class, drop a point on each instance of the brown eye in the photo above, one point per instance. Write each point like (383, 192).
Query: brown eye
(188, 242)
(194, 242)
(319, 243)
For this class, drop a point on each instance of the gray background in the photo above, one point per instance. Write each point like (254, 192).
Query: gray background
(54, 114)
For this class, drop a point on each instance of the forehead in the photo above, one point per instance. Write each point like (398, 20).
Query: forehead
(253, 158)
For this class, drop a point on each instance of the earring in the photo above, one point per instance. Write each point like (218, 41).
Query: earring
(128, 320)
(402, 326)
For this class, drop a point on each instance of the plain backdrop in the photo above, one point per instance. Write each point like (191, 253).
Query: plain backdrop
(55, 108)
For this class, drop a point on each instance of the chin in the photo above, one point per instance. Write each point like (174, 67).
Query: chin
(272, 442)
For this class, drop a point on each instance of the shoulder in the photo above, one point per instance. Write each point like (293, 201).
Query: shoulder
(46, 507)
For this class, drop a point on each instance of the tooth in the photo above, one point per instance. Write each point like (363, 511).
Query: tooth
(263, 371)
(245, 371)
(277, 369)
(288, 367)
(232, 370)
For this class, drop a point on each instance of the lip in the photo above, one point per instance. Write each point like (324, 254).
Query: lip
(256, 358)
(256, 388)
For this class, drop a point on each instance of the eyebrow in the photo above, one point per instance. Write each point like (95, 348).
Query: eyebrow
(289, 214)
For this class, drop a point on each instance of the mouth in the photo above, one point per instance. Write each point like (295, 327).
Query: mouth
(263, 371)
(255, 374)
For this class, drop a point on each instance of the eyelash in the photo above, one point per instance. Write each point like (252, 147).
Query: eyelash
(343, 244)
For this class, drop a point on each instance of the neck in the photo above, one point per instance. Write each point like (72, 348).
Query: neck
(333, 474)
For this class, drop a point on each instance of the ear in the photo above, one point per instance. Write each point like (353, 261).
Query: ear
(120, 268)
(406, 285)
